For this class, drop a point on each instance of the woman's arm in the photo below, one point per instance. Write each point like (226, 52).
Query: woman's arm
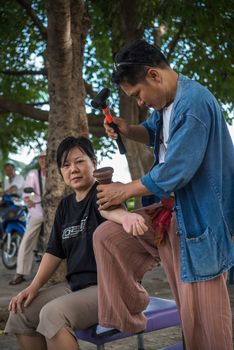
(48, 265)
(132, 222)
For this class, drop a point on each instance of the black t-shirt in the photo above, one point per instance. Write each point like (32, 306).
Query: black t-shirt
(71, 238)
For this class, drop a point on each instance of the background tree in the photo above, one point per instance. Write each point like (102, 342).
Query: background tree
(193, 36)
(41, 65)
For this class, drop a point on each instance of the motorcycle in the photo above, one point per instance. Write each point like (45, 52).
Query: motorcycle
(13, 222)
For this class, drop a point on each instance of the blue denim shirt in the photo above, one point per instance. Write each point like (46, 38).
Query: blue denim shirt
(199, 169)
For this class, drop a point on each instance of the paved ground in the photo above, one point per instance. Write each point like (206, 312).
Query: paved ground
(156, 284)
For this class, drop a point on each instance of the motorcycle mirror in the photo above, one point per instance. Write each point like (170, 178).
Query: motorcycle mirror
(28, 190)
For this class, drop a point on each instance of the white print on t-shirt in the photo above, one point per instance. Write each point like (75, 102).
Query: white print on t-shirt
(74, 231)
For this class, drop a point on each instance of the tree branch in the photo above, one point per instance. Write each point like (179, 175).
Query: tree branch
(39, 103)
(31, 13)
(88, 87)
(89, 90)
(175, 40)
(25, 72)
(24, 109)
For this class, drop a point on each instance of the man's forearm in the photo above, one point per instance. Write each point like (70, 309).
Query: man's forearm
(11, 189)
(135, 189)
(116, 193)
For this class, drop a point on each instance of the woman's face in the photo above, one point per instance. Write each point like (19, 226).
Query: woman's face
(77, 170)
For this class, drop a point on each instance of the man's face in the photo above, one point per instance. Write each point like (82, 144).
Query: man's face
(151, 92)
(42, 162)
(9, 171)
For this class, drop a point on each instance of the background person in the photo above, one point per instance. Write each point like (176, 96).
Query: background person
(13, 183)
(194, 160)
(46, 318)
(36, 180)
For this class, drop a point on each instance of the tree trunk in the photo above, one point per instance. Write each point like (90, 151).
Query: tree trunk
(67, 30)
(139, 157)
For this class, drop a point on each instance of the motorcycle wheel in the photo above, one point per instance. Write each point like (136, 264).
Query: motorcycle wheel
(9, 259)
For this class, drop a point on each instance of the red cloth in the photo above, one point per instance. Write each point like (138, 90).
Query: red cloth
(161, 218)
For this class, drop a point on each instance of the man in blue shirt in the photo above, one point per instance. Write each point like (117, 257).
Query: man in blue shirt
(194, 163)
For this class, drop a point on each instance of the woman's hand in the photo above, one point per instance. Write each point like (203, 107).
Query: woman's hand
(22, 299)
(135, 224)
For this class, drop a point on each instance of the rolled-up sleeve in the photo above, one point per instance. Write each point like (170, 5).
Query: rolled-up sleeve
(185, 152)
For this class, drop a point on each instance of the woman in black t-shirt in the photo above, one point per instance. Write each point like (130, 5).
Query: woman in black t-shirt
(46, 318)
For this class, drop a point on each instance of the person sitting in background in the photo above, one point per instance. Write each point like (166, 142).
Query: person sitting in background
(13, 183)
(35, 180)
(46, 318)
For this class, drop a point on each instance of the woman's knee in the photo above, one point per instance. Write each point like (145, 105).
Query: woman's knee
(21, 322)
(52, 310)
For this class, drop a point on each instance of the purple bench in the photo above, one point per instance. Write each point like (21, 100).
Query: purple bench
(160, 313)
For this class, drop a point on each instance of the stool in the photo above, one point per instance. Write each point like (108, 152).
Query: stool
(160, 313)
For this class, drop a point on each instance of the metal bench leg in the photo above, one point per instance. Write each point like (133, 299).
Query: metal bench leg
(101, 347)
(140, 342)
(184, 346)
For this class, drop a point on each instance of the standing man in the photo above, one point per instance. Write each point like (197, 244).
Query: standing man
(194, 162)
(36, 180)
(13, 183)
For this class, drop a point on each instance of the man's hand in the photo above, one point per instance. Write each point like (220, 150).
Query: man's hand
(122, 125)
(111, 194)
(29, 202)
(117, 193)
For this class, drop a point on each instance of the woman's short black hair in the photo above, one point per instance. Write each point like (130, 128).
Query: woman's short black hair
(133, 61)
(70, 142)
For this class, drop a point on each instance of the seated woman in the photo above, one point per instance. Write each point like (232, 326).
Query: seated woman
(46, 318)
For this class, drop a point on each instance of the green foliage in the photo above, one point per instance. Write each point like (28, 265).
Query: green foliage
(32, 165)
(20, 131)
(131, 204)
(203, 50)
(19, 37)
(106, 146)
(21, 48)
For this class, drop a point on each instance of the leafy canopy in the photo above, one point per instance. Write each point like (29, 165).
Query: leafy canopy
(198, 43)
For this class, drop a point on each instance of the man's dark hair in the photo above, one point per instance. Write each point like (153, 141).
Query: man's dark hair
(133, 61)
(70, 142)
